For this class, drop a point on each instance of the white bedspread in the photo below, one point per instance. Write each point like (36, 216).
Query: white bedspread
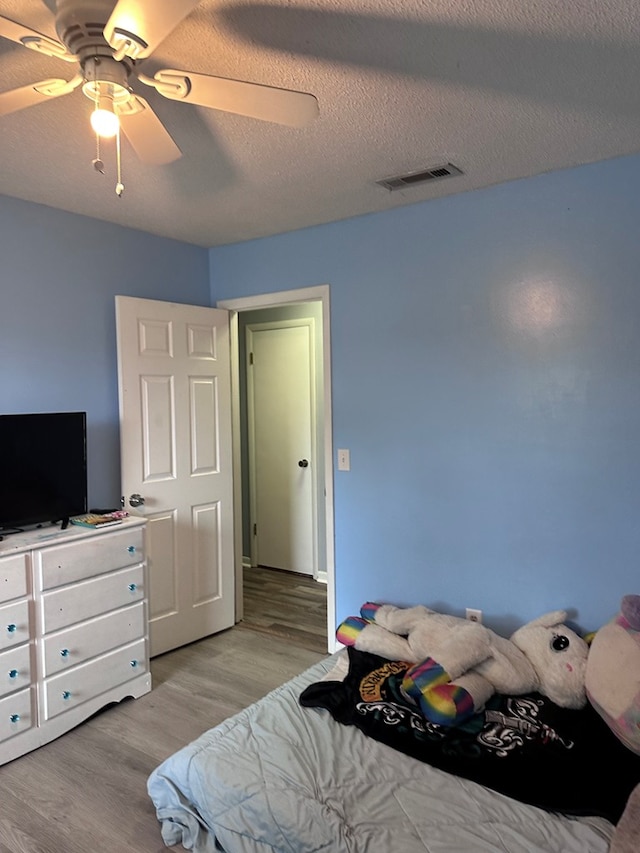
(279, 777)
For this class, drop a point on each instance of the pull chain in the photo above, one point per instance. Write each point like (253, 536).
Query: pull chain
(119, 185)
(98, 165)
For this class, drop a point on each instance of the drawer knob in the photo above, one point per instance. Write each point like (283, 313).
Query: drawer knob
(15, 718)
(134, 663)
(11, 628)
(13, 673)
(133, 587)
(64, 653)
(66, 694)
(131, 549)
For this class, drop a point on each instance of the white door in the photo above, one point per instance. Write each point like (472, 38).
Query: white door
(175, 445)
(281, 419)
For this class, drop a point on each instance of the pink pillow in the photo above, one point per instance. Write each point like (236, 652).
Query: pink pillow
(613, 673)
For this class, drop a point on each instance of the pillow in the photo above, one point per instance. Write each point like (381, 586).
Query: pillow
(613, 673)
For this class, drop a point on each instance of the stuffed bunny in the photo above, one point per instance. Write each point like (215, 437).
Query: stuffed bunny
(459, 665)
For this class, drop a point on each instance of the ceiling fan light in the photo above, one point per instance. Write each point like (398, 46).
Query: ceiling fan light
(103, 119)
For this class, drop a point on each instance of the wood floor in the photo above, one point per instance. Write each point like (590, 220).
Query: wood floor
(286, 605)
(86, 791)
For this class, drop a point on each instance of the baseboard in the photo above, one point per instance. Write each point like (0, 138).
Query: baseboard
(321, 577)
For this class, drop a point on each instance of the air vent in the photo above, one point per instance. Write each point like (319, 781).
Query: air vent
(435, 173)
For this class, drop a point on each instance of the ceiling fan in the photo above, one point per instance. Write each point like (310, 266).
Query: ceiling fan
(109, 43)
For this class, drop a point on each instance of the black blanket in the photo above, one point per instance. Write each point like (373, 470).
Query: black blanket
(523, 746)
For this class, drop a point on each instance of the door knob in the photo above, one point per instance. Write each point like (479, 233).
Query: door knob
(136, 500)
(303, 463)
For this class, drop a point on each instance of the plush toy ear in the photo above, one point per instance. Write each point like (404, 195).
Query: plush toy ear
(549, 620)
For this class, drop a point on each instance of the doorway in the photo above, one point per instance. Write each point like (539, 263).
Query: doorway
(265, 308)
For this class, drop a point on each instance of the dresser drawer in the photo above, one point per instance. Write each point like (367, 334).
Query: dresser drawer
(69, 689)
(103, 552)
(68, 605)
(15, 669)
(74, 645)
(13, 577)
(15, 714)
(14, 624)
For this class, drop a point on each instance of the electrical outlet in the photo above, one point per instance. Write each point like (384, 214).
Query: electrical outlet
(473, 615)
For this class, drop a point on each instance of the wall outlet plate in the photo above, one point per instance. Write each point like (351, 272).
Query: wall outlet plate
(473, 615)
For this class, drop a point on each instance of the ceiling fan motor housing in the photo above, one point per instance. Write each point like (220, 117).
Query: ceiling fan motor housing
(80, 25)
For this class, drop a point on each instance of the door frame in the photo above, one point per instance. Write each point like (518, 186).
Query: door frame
(319, 293)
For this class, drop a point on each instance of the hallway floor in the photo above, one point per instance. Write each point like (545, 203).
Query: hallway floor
(286, 605)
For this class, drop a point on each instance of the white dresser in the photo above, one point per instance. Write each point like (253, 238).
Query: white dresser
(73, 629)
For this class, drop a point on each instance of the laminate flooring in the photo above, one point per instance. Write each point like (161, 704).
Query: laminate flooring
(86, 791)
(287, 605)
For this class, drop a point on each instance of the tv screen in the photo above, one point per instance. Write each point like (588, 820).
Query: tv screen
(43, 468)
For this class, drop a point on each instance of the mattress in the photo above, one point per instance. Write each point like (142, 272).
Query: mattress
(283, 778)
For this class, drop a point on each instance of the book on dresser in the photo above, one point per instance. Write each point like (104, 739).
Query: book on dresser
(94, 520)
(73, 628)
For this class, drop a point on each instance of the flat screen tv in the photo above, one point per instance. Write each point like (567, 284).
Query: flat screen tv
(43, 468)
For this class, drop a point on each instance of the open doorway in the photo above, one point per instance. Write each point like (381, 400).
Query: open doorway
(303, 315)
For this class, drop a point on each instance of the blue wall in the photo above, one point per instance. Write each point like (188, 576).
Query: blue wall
(58, 278)
(485, 377)
(486, 355)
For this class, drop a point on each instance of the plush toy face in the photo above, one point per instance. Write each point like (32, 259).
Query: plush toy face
(559, 657)
(613, 673)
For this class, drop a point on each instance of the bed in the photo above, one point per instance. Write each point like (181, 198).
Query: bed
(286, 776)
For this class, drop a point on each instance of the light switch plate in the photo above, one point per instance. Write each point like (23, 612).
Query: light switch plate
(344, 460)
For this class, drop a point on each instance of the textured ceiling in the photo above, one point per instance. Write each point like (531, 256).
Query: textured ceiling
(502, 88)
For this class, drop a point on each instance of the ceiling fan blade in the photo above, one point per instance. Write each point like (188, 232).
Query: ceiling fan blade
(144, 23)
(29, 96)
(36, 41)
(148, 136)
(283, 106)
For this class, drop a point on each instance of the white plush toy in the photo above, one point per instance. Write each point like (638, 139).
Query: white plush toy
(459, 665)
